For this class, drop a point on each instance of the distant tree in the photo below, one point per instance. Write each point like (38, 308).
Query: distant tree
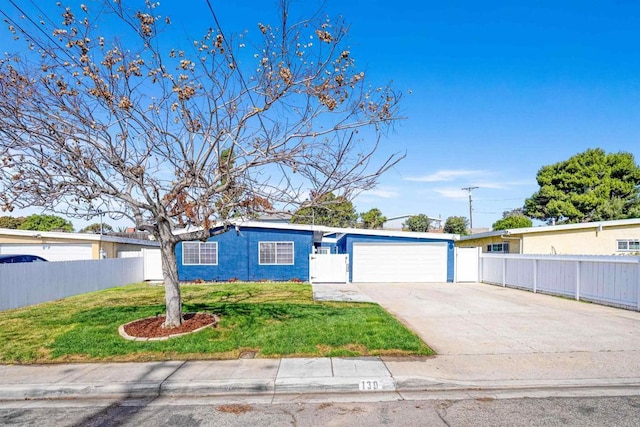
(373, 218)
(511, 212)
(512, 221)
(456, 225)
(95, 228)
(590, 186)
(418, 222)
(329, 210)
(46, 223)
(11, 222)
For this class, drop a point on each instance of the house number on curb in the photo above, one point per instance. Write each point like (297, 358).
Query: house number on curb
(370, 385)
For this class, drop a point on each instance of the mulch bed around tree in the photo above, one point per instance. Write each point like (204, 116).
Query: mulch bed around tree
(152, 326)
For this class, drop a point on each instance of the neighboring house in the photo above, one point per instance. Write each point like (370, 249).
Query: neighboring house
(259, 251)
(396, 222)
(619, 237)
(59, 246)
(279, 218)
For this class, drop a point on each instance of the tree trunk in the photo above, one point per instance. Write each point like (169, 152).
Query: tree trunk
(172, 295)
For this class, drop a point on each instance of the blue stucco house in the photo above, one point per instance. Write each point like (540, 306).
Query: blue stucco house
(255, 251)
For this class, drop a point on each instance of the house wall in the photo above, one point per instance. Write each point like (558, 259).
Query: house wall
(36, 240)
(111, 248)
(332, 247)
(514, 243)
(238, 257)
(44, 241)
(583, 241)
(579, 242)
(345, 245)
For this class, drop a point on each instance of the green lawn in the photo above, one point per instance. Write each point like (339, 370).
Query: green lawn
(272, 319)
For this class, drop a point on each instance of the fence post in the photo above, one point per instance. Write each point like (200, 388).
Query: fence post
(535, 276)
(455, 264)
(638, 287)
(504, 271)
(578, 280)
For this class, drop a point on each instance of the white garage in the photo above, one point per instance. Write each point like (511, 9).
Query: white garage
(50, 251)
(399, 262)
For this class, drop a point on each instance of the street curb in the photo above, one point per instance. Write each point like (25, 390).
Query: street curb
(406, 388)
(331, 385)
(80, 391)
(217, 387)
(425, 384)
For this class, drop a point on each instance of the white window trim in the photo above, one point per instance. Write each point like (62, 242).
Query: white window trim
(199, 253)
(627, 241)
(293, 252)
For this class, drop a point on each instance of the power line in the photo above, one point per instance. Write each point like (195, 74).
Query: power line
(500, 200)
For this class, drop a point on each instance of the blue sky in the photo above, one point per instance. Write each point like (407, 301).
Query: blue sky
(498, 90)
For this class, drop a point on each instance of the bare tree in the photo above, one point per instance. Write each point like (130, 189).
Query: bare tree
(183, 138)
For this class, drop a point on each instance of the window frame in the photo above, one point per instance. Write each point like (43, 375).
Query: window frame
(504, 248)
(200, 245)
(275, 246)
(627, 243)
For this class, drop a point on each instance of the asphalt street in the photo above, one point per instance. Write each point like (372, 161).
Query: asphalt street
(612, 411)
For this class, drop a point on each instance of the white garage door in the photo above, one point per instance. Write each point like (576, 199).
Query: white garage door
(400, 262)
(50, 251)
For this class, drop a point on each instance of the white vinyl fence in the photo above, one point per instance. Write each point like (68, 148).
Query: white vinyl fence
(607, 280)
(32, 283)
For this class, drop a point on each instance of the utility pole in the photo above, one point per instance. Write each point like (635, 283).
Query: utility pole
(470, 189)
(101, 214)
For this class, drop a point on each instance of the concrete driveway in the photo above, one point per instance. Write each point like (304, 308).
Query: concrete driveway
(515, 333)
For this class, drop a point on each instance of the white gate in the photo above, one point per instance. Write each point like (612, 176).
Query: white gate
(467, 264)
(329, 268)
(152, 264)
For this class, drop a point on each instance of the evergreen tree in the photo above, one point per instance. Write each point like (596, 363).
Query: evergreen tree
(373, 218)
(456, 225)
(46, 223)
(329, 210)
(418, 222)
(590, 186)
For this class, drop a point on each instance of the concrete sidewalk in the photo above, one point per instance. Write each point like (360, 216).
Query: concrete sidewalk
(273, 380)
(492, 342)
